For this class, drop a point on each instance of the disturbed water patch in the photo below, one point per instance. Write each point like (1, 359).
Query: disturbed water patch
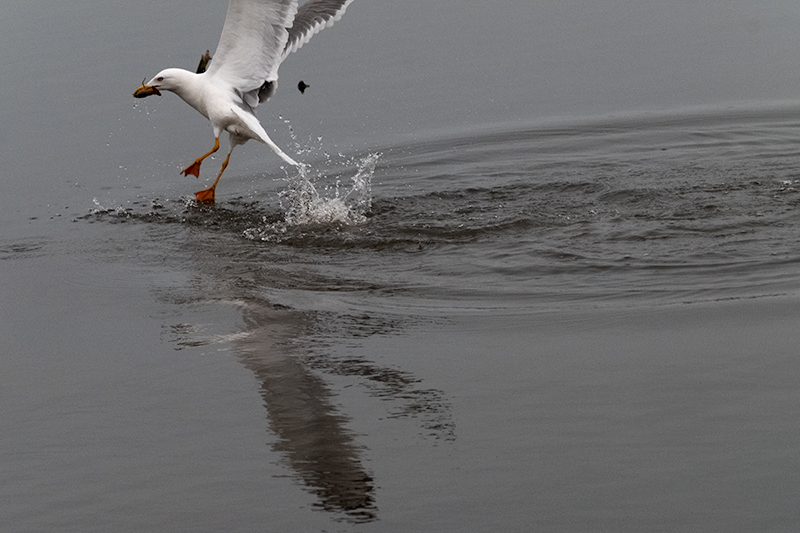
(22, 249)
(304, 205)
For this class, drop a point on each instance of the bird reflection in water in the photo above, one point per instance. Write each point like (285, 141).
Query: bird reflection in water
(311, 433)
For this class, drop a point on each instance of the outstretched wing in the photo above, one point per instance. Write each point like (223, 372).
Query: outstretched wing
(251, 46)
(310, 19)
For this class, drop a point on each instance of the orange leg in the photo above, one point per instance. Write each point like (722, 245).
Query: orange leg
(194, 168)
(207, 195)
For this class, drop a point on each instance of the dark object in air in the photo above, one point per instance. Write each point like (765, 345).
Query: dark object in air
(303, 86)
(204, 60)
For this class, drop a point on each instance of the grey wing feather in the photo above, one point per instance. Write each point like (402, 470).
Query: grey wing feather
(310, 19)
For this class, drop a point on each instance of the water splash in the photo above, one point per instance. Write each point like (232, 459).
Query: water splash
(99, 209)
(303, 204)
(309, 201)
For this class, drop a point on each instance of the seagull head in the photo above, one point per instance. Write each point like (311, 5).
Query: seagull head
(165, 80)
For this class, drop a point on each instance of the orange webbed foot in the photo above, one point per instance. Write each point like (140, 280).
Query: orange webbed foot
(205, 196)
(193, 169)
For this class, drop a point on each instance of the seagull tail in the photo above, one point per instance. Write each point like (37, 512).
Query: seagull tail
(255, 126)
(266, 140)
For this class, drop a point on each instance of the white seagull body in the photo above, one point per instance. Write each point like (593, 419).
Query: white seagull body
(256, 38)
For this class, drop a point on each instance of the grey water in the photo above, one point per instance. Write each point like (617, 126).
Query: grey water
(540, 274)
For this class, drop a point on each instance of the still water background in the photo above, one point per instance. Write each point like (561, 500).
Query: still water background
(541, 275)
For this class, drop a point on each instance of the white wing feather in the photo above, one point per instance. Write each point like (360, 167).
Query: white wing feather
(259, 34)
(310, 19)
(252, 41)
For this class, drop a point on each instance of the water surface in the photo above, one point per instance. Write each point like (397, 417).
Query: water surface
(534, 278)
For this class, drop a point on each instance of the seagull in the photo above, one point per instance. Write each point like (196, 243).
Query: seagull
(257, 36)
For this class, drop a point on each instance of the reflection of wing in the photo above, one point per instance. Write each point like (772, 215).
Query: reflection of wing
(311, 432)
(310, 19)
(252, 41)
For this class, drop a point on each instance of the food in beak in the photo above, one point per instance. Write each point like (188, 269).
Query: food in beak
(145, 90)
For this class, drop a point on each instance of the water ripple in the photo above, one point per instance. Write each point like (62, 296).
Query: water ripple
(543, 209)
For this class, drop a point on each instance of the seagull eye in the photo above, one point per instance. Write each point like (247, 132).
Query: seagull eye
(160, 78)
